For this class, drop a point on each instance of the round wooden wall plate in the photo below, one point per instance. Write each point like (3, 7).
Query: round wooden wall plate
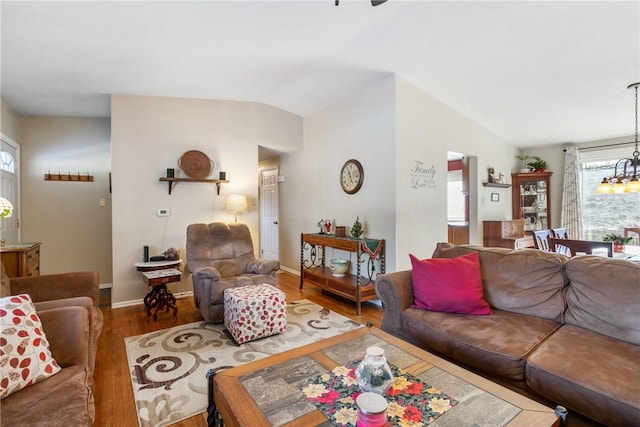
(196, 164)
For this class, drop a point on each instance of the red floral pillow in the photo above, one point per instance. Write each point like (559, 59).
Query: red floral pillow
(25, 358)
(451, 285)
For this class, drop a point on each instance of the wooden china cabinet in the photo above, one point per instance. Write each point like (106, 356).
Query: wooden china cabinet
(531, 194)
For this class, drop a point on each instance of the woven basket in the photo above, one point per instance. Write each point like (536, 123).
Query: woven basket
(196, 164)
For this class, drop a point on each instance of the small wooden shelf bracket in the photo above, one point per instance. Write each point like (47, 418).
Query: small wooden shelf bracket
(171, 181)
(68, 177)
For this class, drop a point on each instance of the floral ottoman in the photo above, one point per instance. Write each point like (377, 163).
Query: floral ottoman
(252, 312)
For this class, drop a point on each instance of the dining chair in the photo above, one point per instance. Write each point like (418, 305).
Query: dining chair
(541, 240)
(560, 233)
(579, 246)
(636, 230)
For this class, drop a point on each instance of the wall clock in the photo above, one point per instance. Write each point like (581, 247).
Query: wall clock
(351, 176)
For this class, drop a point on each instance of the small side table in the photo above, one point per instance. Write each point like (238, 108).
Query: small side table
(156, 275)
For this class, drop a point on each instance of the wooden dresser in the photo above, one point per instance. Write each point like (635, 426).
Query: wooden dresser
(506, 234)
(21, 259)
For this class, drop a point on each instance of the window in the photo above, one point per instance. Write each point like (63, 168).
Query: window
(605, 213)
(7, 162)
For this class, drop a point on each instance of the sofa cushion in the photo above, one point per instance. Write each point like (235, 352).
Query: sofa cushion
(450, 285)
(590, 373)
(24, 350)
(497, 345)
(63, 400)
(604, 296)
(520, 281)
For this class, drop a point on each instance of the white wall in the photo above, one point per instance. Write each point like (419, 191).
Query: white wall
(426, 130)
(8, 121)
(148, 135)
(388, 127)
(359, 127)
(66, 217)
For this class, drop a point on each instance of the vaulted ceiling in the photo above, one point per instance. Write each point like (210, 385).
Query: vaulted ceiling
(534, 72)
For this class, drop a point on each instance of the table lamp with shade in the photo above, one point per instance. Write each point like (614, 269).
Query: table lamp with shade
(6, 211)
(236, 204)
(6, 208)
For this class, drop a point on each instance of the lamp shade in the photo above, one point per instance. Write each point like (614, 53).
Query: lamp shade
(236, 203)
(6, 208)
(632, 186)
(604, 188)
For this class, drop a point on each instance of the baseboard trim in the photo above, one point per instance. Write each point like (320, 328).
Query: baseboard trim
(133, 302)
(127, 303)
(289, 270)
(106, 285)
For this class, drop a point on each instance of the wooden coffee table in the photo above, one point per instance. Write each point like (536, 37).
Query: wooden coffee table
(266, 393)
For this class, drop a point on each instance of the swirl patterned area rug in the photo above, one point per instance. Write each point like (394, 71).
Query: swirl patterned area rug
(168, 367)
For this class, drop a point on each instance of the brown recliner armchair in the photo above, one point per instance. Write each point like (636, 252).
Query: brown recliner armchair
(221, 256)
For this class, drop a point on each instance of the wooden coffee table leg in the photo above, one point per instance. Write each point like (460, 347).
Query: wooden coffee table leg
(213, 416)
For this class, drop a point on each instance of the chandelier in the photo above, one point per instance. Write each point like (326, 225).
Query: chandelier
(625, 174)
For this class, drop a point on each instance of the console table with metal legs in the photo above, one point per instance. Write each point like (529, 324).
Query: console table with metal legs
(358, 287)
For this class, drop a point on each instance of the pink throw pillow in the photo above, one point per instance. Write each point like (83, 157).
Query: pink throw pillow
(451, 285)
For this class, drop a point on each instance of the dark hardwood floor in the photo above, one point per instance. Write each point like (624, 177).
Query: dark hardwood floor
(113, 389)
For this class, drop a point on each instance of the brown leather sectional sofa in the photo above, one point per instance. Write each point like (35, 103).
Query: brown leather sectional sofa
(564, 331)
(67, 305)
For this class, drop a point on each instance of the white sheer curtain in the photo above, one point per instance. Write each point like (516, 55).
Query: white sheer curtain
(571, 215)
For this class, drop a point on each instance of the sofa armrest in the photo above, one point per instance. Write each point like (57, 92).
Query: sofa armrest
(68, 331)
(96, 320)
(206, 273)
(396, 292)
(208, 286)
(58, 286)
(263, 266)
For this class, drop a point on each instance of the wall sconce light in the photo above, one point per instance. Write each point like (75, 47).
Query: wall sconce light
(236, 204)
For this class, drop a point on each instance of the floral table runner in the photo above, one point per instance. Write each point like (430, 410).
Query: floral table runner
(412, 402)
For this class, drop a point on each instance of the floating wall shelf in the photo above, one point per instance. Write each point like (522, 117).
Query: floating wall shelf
(496, 184)
(217, 182)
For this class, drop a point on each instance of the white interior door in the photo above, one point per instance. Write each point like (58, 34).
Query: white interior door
(269, 227)
(9, 188)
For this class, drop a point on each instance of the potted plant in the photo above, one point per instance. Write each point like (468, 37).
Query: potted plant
(618, 241)
(356, 230)
(538, 165)
(523, 158)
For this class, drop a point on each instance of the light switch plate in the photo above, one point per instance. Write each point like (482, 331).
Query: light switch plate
(164, 212)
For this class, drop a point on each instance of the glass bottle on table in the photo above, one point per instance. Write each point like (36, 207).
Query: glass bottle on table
(373, 373)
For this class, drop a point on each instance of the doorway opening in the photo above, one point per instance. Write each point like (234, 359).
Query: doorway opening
(461, 199)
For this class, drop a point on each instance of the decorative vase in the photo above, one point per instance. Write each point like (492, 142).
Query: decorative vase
(373, 373)
(339, 267)
(525, 170)
(618, 247)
